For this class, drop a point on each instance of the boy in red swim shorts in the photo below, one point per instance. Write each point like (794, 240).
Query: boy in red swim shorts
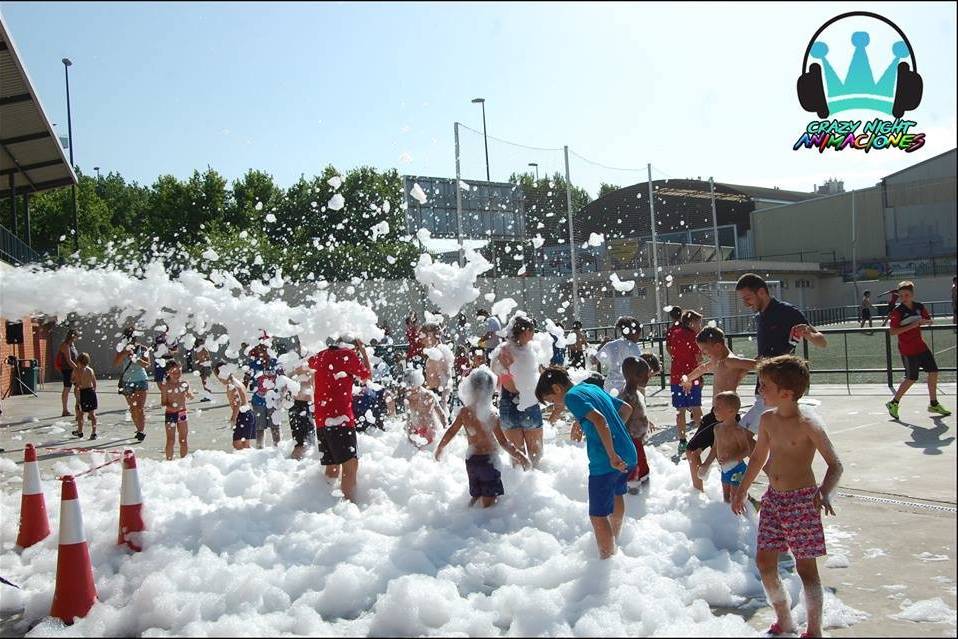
(790, 517)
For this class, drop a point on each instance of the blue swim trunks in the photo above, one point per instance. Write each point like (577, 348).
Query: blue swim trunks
(691, 399)
(603, 490)
(734, 475)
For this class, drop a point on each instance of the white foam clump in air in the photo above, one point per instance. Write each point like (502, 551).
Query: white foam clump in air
(417, 193)
(596, 239)
(259, 206)
(335, 181)
(503, 307)
(270, 218)
(929, 610)
(336, 202)
(449, 286)
(621, 286)
(192, 302)
(210, 255)
(379, 230)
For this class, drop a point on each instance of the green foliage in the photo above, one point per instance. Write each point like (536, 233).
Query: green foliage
(605, 189)
(546, 206)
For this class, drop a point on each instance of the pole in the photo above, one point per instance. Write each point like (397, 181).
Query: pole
(718, 248)
(462, 251)
(13, 204)
(854, 249)
(655, 252)
(73, 187)
(26, 212)
(485, 140)
(568, 206)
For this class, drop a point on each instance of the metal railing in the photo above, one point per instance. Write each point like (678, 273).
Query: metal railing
(14, 250)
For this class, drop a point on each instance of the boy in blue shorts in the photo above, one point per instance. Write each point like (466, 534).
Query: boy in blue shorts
(612, 456)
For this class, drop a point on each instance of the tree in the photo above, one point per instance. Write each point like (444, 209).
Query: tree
(605, 189)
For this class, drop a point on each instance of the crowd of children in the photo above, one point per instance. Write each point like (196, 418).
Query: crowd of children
(341, 389)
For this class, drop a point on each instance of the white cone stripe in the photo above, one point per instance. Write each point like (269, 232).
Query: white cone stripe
(31, 479)
(130, 494)
(71, 523)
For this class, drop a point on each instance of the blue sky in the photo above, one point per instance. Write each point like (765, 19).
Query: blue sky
(696, 89)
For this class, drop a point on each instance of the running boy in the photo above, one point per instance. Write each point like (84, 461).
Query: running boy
(636, 372)
(425, 414)
(732, 444)
(790, 518)
(865, 310)
(685, 357)
(906, 321)
(728, 370)
(242, 418)
(612, 454)
(484, 434)
(84, 380)
(174, 392)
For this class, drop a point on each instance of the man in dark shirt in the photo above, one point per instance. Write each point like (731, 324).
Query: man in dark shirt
(779, 327)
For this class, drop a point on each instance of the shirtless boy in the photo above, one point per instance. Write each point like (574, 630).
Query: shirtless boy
(438, 370)
(728, 370)
(425, 415)
(242, 417)
(484, 434)
(174, 392)
(732, 444)
(790, 518)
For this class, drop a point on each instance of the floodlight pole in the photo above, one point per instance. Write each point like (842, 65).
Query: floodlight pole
(718, 248)
(568, 205)
(73, 187)
(462, 252)
(655, 253)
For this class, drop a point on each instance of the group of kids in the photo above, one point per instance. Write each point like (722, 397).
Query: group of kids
(778, 438)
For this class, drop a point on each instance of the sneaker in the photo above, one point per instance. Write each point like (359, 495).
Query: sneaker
(92, 436)
(206, 399)
(140, 436)
(892, 409)
(682, 446)
(77, 433)
(938, 408)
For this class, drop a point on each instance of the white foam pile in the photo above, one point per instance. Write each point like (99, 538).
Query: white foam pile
(449, 286)
(928, 610)
(253, 543)
(620, 285)
(190, 302)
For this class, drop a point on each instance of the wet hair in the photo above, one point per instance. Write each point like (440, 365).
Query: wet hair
(83, 358)
(675, 313)
(170, 365)
(868, 293)
(788, 372)
(689, 317)
(907, 285)
(520, 325)
(628, 322)
(71, 334)
(596, 379)
(576, 325)
(482, 313)
(635, 367)
(729, 399)
(711, 335)
(654, 364)
(752, 282)
(549, 378)
(430, 328)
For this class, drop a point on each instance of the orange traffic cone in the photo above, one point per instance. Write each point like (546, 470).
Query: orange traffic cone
(131, 505)
(34, 525)
(75, 591)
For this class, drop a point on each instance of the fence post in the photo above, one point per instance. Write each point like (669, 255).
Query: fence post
(891, 381)
(662, 362)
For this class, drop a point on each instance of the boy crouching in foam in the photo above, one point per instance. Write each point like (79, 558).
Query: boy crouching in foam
(790, 517)
(483, 431)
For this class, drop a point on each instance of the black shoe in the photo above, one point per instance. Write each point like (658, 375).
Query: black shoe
(92, 436)
(77, 433)
(140, 436)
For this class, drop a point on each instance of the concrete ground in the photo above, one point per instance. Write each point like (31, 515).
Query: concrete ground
(896, 522)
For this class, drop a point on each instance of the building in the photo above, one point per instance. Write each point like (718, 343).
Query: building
(31, 161)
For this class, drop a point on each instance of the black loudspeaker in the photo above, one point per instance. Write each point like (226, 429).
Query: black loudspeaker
(14, 332)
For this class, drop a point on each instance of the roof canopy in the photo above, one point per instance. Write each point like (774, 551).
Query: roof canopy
(29, 148)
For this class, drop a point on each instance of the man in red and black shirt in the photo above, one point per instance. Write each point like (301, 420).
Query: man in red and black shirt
(335, 368)
(906, 321)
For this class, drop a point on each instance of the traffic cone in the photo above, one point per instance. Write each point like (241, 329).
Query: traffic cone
(131, 505)
(75, 591)
(34, 524)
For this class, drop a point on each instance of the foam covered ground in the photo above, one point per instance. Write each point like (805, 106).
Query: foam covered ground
(253, 543)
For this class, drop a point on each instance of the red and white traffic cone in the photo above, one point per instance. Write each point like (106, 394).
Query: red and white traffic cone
(75, 591)
(131, 505)
(34, 524)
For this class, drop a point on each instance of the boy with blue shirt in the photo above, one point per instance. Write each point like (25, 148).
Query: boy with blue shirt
(612, 455)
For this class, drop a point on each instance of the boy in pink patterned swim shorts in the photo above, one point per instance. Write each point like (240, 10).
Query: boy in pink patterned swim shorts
(790, 517)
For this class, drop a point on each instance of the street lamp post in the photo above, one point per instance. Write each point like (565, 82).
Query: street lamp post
(485, 139)
(535, 164)
(73, 188)
(97, 169)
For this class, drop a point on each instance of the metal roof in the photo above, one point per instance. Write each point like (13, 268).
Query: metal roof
(29, 148)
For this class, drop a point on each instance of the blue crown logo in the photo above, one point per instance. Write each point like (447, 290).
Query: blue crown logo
(859, 90)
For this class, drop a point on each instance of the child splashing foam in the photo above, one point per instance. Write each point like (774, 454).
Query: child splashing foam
(484, 434)
(426, 415)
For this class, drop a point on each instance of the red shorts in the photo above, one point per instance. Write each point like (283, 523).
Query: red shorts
(789, 521)
(425, 432)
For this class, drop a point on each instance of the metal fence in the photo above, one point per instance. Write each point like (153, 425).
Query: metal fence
(14, 250)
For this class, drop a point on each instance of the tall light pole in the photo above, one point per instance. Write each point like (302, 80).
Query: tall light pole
(485, 139)
(97, 169)
(76, 224)
(535, 164)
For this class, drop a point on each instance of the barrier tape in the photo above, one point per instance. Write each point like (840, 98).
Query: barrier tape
(88, 471)
(77, 451)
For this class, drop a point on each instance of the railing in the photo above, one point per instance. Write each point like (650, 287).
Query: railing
(14, 250)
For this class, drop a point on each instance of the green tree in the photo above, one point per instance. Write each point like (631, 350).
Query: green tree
(605, 189)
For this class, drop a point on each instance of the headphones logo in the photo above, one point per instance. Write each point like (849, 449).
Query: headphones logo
(896, 91)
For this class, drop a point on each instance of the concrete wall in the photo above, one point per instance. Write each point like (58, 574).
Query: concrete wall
(822, 227)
